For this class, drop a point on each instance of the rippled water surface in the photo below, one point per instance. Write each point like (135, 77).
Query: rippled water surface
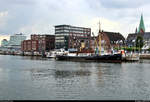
(32, 78)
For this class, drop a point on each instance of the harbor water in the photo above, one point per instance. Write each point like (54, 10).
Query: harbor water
(36, 78)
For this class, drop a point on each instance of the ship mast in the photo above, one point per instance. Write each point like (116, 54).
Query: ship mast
(99, 38)
(96, 47)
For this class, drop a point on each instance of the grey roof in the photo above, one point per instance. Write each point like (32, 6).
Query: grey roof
(132, 36)
(146, 35)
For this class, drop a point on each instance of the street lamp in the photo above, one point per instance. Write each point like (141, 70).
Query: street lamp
(139, 45)
(117, 42)
(134, 44)
(121, 42)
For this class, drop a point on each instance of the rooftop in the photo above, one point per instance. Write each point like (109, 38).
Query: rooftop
(64, 25)
(114, 36)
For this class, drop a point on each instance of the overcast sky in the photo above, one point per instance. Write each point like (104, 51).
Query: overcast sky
(40, 16)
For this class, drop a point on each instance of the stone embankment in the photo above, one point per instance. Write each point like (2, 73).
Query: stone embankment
(144, 56)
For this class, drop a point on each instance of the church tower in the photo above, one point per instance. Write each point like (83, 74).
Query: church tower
(141, 26)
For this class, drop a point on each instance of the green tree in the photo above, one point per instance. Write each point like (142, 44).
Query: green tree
(139, 42)
(148, 49)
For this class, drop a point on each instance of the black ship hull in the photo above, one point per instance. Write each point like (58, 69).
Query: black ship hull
(102, 58)
(106, 58)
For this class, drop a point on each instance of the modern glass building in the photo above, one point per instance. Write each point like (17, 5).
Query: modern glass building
(72, 37)
(4, 43)
(15, 40)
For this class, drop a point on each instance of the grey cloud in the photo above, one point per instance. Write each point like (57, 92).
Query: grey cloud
(47, 13)
(18, 2)
(20, 13)
(123, 3)
(11, 4)
(117, 9)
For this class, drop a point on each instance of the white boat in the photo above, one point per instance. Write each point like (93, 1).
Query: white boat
(51, 54)
(132, 57)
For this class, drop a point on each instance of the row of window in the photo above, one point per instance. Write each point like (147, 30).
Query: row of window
(56, 31)
(62, 34)
(65, 34)
(73, 31)
(79, 35)
(60, 45)
(78, 28)
(56, 28)
(59, 37)
(71, 27)
(59, 41)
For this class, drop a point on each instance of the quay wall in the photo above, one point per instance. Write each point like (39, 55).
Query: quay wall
(144, 56)
(18, 54)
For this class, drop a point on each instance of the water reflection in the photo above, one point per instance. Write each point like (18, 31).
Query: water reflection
(99, 74)
(67, 88)
(69, 84)
(144, 61)
(71, 81)
(33, 58)
(67, 73)
(40, 74)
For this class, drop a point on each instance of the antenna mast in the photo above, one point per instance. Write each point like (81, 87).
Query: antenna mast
(99, 38)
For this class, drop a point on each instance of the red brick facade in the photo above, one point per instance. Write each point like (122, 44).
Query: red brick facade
(39, 43)
(29, 45)
(108, 40)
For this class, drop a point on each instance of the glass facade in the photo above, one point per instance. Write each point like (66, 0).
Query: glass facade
(16, 39)
(66, 34)
(4, 43)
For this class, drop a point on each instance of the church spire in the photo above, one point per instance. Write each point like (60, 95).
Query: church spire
(141, 26)
(136, 30)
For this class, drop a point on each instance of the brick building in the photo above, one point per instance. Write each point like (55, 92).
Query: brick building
(39, 43)
(45, 42)
(30, 45)
(109, 40)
